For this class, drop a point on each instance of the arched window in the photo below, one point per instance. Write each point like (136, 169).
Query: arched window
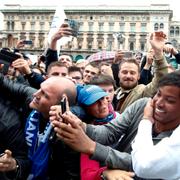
(161, 26)
(10, 40)
(12, 25)
(177, 31)
(172, 31)
(79, 57)
(156, 27)
(131, 46)
(142, 46)
(8, 25)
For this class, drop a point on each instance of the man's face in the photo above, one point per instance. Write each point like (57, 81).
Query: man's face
(166, 104)
(76, 76)
(89, 73)
(82, 65)
(128, 75)
(66, 60)
(99, 109)
(45, 97)
(110, 90)
(58, 71)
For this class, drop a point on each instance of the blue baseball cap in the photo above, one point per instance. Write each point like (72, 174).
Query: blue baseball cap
(89, 94)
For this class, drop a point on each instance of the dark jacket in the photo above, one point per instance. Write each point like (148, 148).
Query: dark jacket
(63, 163)
(14, 101)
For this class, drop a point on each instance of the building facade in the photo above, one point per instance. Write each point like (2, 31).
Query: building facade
(101, 27)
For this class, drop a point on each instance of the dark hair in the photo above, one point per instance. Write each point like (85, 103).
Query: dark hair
(129, 60)
(103, 79)
(56, 63)
(66, 54)
(170, 79)
(74, 69)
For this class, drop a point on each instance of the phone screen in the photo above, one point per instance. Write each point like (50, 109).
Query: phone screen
(28, 42)
(74, 25)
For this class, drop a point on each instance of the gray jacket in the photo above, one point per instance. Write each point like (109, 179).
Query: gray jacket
(121, 129)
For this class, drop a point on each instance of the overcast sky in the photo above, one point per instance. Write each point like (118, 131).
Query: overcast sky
(173, 3)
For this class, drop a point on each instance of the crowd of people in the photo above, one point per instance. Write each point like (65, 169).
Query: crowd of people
(121, 119)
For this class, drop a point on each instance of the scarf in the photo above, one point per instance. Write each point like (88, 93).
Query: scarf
(108, 118)
(38, 144)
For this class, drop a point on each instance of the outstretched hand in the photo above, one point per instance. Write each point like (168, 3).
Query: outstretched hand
(157, 41)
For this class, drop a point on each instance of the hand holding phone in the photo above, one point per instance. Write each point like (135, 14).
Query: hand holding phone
(63, 101)
(74, 25)
(27, 42)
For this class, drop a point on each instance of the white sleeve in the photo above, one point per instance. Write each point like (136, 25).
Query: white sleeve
(156, 161)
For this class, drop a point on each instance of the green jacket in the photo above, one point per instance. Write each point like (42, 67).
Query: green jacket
(141, 90)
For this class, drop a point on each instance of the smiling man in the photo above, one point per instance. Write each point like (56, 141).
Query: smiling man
(161, 116)
(165, 115)
(129, 75)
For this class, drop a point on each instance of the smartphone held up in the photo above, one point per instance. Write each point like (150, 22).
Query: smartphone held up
(27, 42)
(74, 25)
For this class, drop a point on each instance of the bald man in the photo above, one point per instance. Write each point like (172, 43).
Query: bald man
(59, 161)
(51, 159)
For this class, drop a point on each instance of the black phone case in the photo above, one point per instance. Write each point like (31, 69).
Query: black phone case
(7, 57)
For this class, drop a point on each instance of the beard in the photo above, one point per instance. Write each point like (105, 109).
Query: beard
(128, 85)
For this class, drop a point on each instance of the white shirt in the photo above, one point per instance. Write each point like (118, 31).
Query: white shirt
(156, 161)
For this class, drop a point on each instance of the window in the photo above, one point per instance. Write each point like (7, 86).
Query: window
(81, 26)
(41, 26)
(111, 18)
(89, 45)
(8, 25)
(132, 27)
(132, 18)
(122, 27)
(109, 45)
(91, 26)
(171, 31)
(101, 18)
(100, 45)
(32, 26)
(156, 27)
(12, 25)
(161, 26)
(131, 46)
(177, 31)
(143, 27)
(23, 24)
(122, 18)
(142, 46)
(101, 27)
(111, 27)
